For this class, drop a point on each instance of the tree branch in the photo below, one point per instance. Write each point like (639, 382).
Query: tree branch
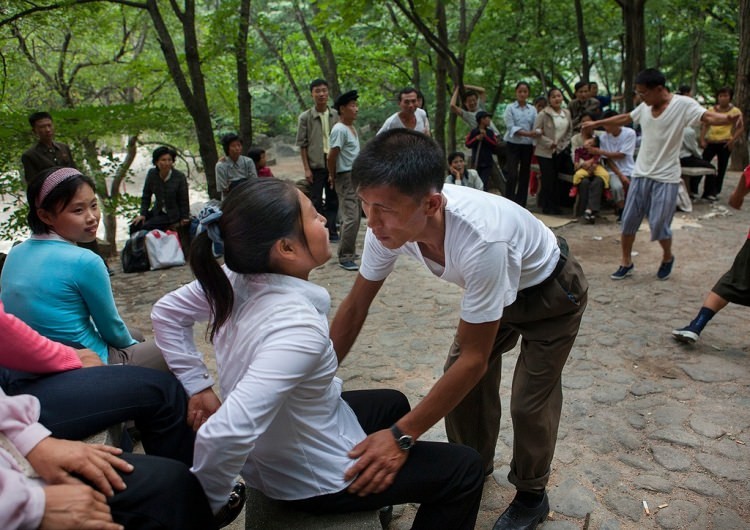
(62, 5)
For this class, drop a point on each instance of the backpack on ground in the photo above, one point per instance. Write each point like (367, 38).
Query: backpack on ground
(133, 255)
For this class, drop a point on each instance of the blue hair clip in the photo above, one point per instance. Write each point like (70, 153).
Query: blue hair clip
(208, 222)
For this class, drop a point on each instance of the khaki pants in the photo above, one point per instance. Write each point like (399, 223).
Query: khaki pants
(143, 353)
(547, 318)
(349, 211)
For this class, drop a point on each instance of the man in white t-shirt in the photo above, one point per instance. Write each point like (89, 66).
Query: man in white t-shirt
(617, 145)
(519, 281)
(656, 177)
(475, 98)
(410, 116)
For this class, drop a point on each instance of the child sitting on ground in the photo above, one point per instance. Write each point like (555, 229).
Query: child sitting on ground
(258, 155)
(589, 165)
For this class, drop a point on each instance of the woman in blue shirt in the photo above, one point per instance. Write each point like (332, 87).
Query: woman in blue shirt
(62, 290)
(519, 139)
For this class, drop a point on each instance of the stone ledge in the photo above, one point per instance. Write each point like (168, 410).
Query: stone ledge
(268, 514)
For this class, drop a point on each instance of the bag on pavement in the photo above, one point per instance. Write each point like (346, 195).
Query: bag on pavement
(133, 256)
(163, 249)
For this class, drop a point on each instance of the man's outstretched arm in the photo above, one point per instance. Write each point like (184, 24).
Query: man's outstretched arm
(379, 456)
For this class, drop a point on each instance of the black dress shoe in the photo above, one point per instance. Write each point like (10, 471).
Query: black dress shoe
(233, 507)
(519, 517)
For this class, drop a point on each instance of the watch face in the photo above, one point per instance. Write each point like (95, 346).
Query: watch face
(405, 442)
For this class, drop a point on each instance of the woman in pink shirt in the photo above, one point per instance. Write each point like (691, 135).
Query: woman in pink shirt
(80, 397)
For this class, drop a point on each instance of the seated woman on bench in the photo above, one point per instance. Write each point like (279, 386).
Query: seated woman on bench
(62, 290)
(168, 186)
(285, 423)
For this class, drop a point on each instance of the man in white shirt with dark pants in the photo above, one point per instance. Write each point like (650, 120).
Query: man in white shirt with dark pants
(519, 280)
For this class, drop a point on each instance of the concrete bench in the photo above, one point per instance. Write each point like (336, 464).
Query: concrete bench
(111, 436)
(561, 176)
(697, 171)
(262, 513)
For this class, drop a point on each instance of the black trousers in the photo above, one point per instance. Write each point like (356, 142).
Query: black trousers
(446, 479)
(161, 494)
(328, 207)
(714, 182)
(694, 161)
(518, 165)
(80, 403)
(549, 191)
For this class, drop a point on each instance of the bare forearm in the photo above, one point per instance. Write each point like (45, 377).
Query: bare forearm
(333, 156)
(303, 156)
(717, 118)
(620, 119)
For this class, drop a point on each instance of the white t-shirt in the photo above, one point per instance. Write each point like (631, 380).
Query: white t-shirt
(661, 138)
(623, 143)
(394, 122)
(348, 144)
(471, 119)
(283, 424)
(493, 249)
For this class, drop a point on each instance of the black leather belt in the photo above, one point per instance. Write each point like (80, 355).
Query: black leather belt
(562, 260)
(564, 251)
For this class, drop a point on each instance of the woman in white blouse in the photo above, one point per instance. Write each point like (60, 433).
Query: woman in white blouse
(284, 423)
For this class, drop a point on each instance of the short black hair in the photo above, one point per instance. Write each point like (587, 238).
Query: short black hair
(725, 90)
(161, 151)
(227, 140)
(579, 85)
(407, 90)
(683, 90)
(552, 89)
(255, 153)
(608, 114)
(650, 78)
(593, 115)
(318, 82)
(471, 92)
(36, 116)
(405, 159)
(454, 155)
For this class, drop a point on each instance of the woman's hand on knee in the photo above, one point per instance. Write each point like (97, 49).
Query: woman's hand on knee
(201, 406)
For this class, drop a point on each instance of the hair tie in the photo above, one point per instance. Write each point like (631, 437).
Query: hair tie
(208, 222)
(53, 180)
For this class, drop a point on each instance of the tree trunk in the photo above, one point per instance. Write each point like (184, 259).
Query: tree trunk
(635, 44)
(441, 78)
(742, 85)
(193, 95)
(110, 217)
(583, 43)
(695, 58)
(332, 69)
(244, 100)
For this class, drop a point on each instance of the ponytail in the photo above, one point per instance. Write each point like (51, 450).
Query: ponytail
(214, 281)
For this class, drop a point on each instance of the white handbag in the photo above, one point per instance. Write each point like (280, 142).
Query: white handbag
(163, 249)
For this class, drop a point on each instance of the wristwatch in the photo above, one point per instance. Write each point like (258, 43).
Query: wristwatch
(404, 441)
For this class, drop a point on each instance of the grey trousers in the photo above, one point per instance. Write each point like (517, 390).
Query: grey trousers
(143, 353)
(547, 318)
(349, 212)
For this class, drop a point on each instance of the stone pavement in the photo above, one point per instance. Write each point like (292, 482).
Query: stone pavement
(644, 418)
